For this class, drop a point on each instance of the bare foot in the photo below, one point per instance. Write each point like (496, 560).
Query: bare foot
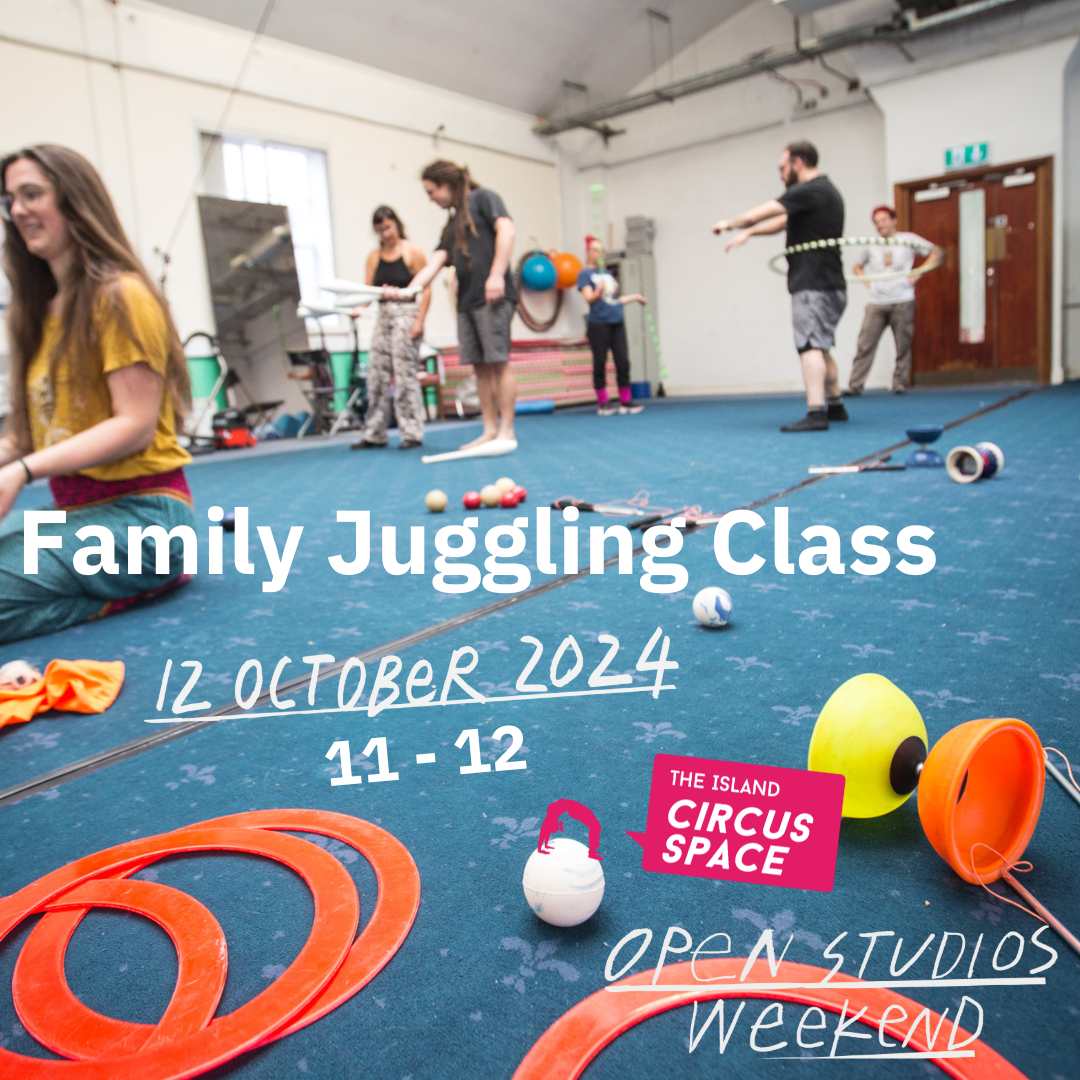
(507, 434)
(479, 440)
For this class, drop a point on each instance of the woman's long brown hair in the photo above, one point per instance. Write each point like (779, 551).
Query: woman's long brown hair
(388, 213)
(101, 254)
(457, 178)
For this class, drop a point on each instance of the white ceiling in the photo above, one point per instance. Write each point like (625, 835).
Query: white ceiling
(513, 52)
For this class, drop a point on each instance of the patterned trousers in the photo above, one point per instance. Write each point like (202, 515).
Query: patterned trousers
(901, 318)
(395, 358)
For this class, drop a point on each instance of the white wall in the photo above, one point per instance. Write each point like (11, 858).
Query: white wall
(724, 110)
(723, 320)
(1015, 102)
(1071, 187)
(140, 123)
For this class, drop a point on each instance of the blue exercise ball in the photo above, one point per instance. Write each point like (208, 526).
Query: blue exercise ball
(538, 273)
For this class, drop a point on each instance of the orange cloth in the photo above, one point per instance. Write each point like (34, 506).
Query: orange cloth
(83, 686)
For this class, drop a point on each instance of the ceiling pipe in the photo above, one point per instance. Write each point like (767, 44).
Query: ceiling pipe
(893, 33)
(914, 22)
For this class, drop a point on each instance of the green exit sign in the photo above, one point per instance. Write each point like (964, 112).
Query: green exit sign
(963, 157)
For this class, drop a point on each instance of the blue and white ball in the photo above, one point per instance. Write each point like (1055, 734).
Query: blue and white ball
(564, 886)
(712, 606)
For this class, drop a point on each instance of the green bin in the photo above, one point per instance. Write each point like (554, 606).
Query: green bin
(341, 364)
(205, 372)
(431, 397)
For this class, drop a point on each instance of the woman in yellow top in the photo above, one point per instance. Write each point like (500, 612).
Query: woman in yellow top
(98, 386)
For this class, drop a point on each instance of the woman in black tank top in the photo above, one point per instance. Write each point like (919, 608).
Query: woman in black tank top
(396, 273)
(394, 359)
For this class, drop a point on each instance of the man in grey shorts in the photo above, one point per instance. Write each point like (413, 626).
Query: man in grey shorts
(809, 209)
(484, 332)
(477, 241)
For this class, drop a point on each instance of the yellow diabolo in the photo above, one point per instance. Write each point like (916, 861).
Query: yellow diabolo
(872, 733)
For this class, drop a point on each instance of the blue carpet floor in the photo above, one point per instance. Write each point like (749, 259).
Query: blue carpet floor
(993, 630)
(717, 454)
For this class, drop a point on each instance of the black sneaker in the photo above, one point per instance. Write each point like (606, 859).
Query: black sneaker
(852, 393)
(810, 422)
(607, 409)
(410, 444)
(367, 444)
(836, 411)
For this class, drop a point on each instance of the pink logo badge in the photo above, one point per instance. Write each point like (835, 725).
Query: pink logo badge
(738, 822)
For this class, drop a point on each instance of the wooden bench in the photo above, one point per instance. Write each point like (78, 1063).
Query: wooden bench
(545, 369)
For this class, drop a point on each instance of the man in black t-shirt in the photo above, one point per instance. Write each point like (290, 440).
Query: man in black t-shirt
(477, 241)
(809, 209)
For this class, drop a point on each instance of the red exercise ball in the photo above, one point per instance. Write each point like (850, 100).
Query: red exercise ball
(509, 500)
(520, 493)
(567, 268)
(471, 500)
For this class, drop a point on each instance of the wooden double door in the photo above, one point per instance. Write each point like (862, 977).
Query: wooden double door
(985, 314)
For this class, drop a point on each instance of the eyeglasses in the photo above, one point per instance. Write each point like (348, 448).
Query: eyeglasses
(27, 195)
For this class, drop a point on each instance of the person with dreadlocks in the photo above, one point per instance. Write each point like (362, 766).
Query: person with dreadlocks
(477, 241)
(99, 385)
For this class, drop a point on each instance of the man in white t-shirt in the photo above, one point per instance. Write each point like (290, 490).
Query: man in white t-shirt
(892, 302)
